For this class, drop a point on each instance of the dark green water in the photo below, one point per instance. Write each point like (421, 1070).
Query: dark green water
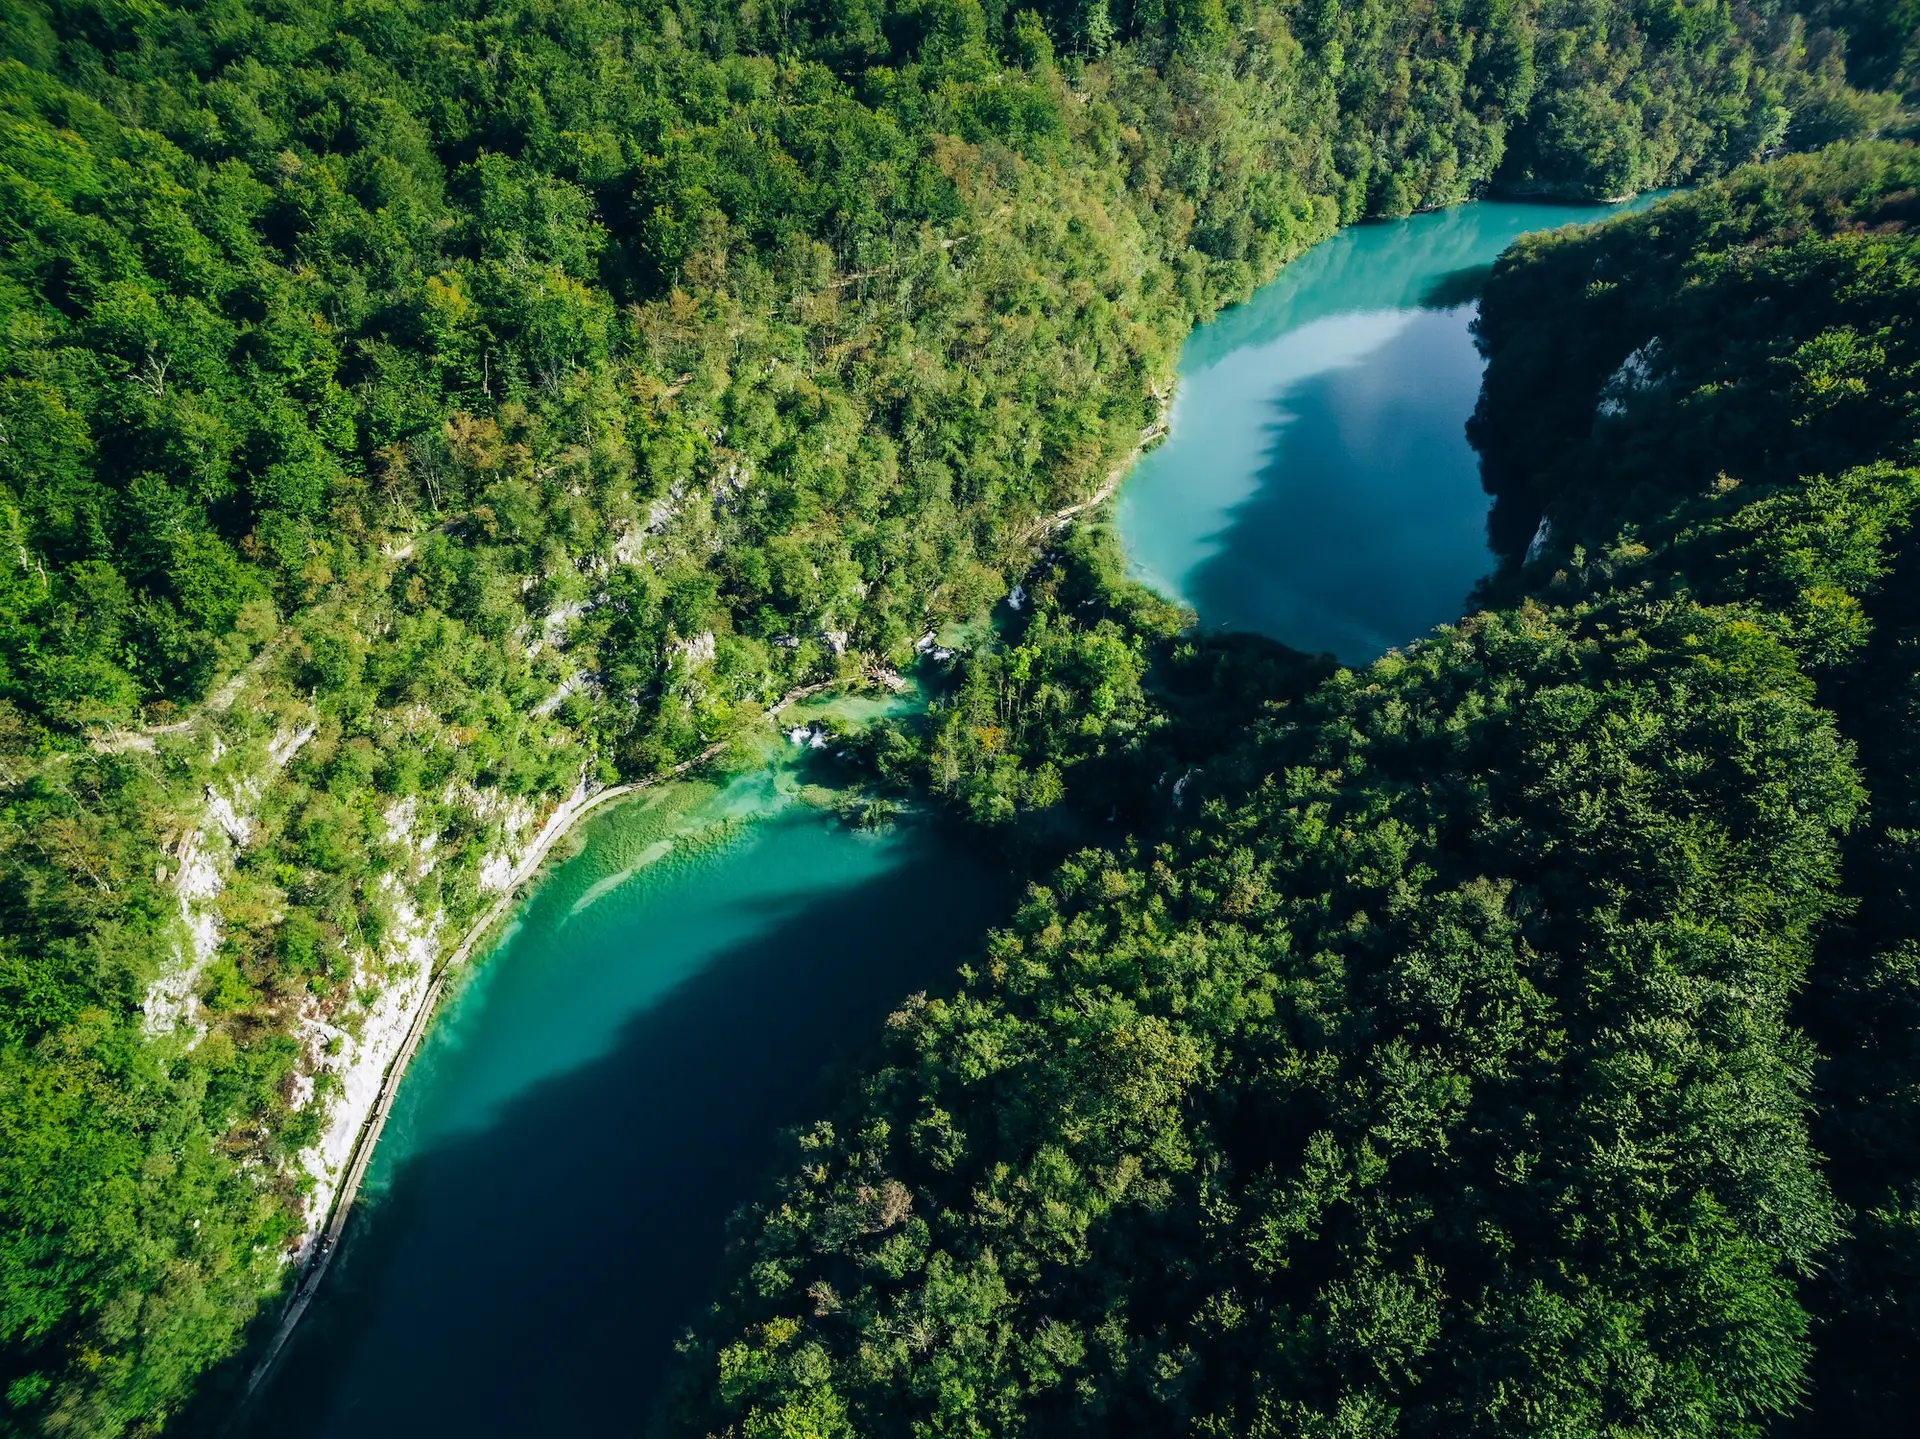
(1317, 486)
(548, 1205)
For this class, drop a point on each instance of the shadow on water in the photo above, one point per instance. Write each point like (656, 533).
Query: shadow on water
(1367, 511)
(1253, 511)
(1456, 288)
(532, 1278)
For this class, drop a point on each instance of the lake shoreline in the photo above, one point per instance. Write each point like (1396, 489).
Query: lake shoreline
(1316, 486)
(561, 822)
(564, 819)
(671, 979)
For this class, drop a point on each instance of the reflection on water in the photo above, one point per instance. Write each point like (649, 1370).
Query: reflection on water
(549, 1204)
(1317, 486)
(1363, 513)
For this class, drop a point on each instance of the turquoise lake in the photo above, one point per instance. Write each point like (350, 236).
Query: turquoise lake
(547, 1210)
(1317, 486)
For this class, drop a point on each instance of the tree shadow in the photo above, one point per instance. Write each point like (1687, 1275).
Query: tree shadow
(1367, 526)
(1456, 288)
(533, 1278)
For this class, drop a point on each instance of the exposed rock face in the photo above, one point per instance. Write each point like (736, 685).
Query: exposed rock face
(206, 854)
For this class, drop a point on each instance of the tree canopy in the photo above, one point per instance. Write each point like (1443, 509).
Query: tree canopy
(1512, 1037)
(412, 412)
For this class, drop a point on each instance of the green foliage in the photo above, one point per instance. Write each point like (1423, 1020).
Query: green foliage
(1024, 716)
(1771, 438)
(408, 412)
(1435, 1067)
(1747, 336)
(1880, 40)
(1376, 1091)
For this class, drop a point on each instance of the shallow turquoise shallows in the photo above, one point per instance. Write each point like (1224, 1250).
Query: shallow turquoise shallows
(547, 1210)
(1317, 486)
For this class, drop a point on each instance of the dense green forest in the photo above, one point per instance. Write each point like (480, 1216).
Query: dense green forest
(411, 414)
(1772, 353)
(1514, 1037)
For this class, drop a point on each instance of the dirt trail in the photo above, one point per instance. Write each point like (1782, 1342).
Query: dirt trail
(219, 702)
(1157, 430)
